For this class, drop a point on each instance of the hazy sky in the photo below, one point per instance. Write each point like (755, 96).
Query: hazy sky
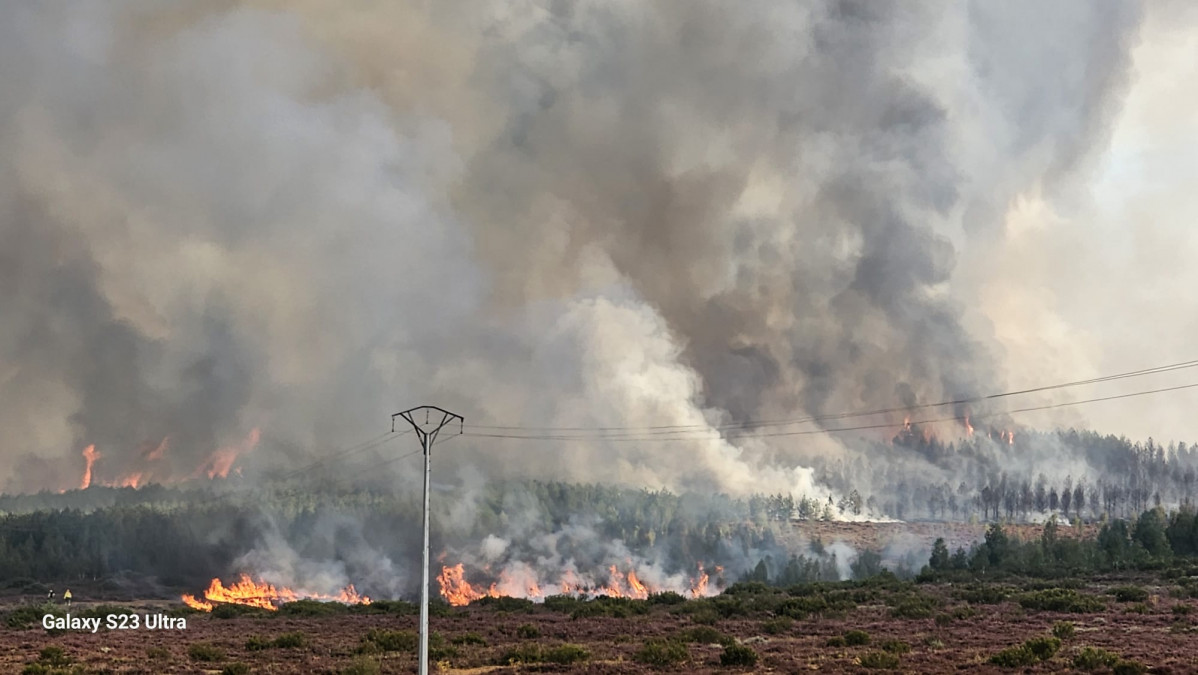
(301, 218)
(1107, 277)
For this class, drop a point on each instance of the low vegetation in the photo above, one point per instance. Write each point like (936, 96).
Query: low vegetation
(205, 652)
(661, 653)
(284, 641)
(1029, 653)
(880, 660)
(738, 655)
(531, 653)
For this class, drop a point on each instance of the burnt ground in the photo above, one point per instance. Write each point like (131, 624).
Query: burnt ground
(1152, 632)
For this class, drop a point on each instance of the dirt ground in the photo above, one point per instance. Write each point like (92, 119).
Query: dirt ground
(1160, 636)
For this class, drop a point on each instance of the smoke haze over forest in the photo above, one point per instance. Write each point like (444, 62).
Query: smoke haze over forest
(239, 236)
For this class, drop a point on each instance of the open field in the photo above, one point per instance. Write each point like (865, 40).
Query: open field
(925, 628)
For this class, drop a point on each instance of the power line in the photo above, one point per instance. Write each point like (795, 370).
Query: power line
(613, 433)
(376, 465)
(427, 433)
(807, 432)
(375, 442)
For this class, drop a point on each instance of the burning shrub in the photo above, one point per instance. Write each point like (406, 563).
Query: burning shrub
(205, 651)
(738, 655)
(660, 653)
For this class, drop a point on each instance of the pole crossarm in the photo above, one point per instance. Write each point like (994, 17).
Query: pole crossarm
(435, 420)
(430, 420)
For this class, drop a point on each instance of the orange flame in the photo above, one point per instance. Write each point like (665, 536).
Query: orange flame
(456, 590)
(613, 587)
(132, 480)
(350, 596)
(158, 452)
(191, 602)
(699, 585)
(219, 462)
(569, 584)
(638, 589)
(968, 426)
(89, 454)
(264, 596)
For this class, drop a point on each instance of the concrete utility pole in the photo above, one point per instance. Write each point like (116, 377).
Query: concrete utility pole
(427, 433)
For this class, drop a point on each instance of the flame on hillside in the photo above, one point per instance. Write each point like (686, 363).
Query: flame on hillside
(266, 596)
(150, 468)
(90, 456)
(220, 461)
(521, 582)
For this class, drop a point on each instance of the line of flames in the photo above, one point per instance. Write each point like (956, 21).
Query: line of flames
(927, 433)
(459, 592)
(246, 591)
(216, 465)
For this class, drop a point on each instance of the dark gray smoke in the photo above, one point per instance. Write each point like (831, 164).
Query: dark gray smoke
(301, 219)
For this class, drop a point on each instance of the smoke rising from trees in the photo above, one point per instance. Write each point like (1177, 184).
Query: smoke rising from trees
(300, 219)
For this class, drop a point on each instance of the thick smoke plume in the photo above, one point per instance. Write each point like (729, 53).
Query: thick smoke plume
(286, 221)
